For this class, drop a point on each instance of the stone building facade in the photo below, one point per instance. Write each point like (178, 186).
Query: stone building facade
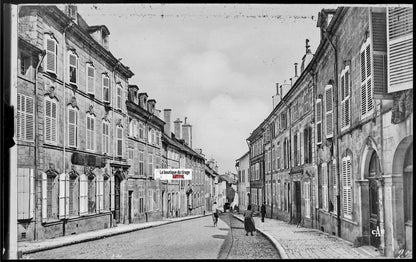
(71, 104)
(358, 184)
(243, 187)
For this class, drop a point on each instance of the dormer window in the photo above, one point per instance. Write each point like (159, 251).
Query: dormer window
(104, 35)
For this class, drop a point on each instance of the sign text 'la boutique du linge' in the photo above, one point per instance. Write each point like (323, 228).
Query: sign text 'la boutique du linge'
(173, 174)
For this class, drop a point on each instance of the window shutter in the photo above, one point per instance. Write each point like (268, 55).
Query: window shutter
(328, 109)
(72, 122)
(379, 43)
(106, 88)
(119, 141)
(51, 51)
(83, 197)
(73, 68)
(19, 116)
(48, 120)
(29, 119)
(319, 121)
(101, 196)
(90, 79)
(23, 193)
(400, 48)
(349, 186)
(62, 195)
(112, 193)
(44, 197)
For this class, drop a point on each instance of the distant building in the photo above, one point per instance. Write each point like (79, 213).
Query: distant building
(243, 186)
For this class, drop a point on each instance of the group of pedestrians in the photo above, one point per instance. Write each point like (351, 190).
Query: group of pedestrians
(249, 225)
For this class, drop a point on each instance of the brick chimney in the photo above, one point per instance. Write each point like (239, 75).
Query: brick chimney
(187, 133)
(166, 117)
(177, 126)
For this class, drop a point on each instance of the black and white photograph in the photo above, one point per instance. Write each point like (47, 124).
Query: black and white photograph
(206, 131)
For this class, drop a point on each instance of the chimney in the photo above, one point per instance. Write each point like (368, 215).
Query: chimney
(277, 88)
(296, 69)
(187, 133)
(177, 126)
(166, 118)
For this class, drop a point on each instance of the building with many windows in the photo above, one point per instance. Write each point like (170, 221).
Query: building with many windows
(346, 132)
(71, 125)
(243, 185)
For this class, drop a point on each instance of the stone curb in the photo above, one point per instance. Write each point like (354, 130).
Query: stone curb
(109, 234)
(275, 243)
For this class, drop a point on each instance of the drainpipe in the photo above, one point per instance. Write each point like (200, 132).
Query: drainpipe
(145, 186)
(271, 177)
(64, 99)
(41, 57)
(337, 129)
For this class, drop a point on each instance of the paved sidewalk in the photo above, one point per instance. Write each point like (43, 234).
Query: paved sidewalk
(36, 246)
(307, 243)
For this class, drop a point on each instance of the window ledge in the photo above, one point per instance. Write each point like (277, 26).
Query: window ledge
(349, 220)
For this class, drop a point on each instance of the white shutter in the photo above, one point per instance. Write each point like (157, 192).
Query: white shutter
(72, 127)
(23, 193)
(31, 193)
(328, 111)
(53, 122)
(29, 121)
(400, 48)
(67, 196)
(90, 79)
(51, 51)
(62, 195)
(112, 193)
(48, 120)
(19, 116)
(83, 194)
(101, 190)
(299, 148)
(106, 88)
(44, 197)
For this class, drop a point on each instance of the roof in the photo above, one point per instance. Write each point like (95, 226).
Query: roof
(96, 27)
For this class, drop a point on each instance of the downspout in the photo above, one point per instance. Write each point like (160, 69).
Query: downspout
(271, 176)
(41, 57)
(145, 181)
(337, 137)
(289, 125)
(64, 99)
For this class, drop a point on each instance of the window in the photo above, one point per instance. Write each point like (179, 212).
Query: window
(99, 193)
(25, 193)
(72, 127)
(307, 133)
(51, 121)
(106, 137)
(63, 195)
(334, 187)
(119, 138)
(106, 88)
(141, 202)
(25, 118)
(25, 63)
(83, 195)
(366, 80)
(141, 162)
(73, 194)
(319, 121)
(73, 67)
(279, 152)
(50, 184)
(150, 163)
(150, 199)
(141, 130)
(328, 111)
(324, 186)
(130, 153)
(106, 192)
(400, 48)
(90, 138)
(347, 186)
(283, 119)
(90, 78)
(51, 47)
(286, 153)
(91, 194)
(307, 193)
(119, 96)
(345, 98)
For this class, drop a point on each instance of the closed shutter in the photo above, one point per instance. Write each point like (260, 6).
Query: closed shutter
(44, 197)
(90, 79)
(112, 193)
(379, 43)
(62, 195)
(367, 103)
(328, 111)
(349, 186)
(53, 122)
(23, 193)
(83, 195)
(119, 141)
(400, 48)
(29, 119)
(48, 120)
(319, 121)
(119, 96)
(106, 88)
(99, 194)
(51, 52)
(72, 127)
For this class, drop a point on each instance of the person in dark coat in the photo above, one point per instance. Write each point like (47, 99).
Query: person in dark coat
(263, 211)
(249, 221)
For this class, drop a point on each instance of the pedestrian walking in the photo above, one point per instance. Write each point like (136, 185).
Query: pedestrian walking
(263, 211)
(215, 213)
(249, 221)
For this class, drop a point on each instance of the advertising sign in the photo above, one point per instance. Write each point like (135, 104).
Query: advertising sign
(173, 174)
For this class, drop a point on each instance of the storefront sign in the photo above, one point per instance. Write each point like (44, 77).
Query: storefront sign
(173, 174)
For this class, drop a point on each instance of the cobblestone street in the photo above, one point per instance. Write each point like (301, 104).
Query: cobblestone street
(247, 247)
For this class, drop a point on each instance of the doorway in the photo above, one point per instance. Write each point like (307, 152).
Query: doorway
(130, 206)
(297, 213)
(374, 221)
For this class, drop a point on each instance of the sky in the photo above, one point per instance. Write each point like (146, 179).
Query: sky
(216, 64)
